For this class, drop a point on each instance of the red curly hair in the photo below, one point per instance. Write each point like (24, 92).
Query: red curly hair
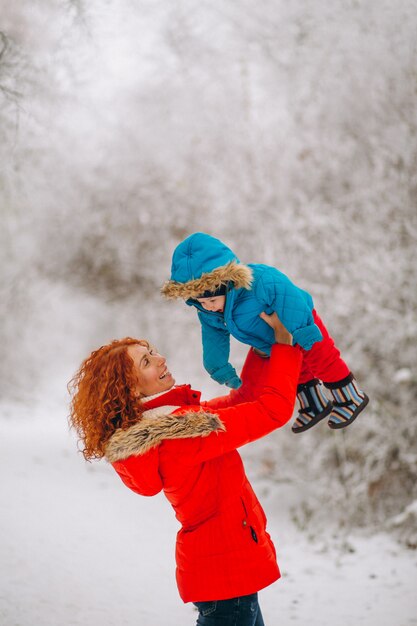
(103, 397)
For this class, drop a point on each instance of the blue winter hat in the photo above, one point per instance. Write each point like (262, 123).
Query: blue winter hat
(199, 254)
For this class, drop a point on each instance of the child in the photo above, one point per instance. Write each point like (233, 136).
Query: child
(229, 298)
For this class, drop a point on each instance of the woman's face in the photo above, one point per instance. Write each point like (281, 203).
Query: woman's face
(151, 370)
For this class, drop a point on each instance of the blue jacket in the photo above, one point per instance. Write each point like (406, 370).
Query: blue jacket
(202, 263)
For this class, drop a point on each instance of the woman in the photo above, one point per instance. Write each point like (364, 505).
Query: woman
(158, 436)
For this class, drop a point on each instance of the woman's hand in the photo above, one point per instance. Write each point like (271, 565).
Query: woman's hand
(281, 333)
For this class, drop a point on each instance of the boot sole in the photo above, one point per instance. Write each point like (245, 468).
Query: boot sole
(359, 410)
(314, 420)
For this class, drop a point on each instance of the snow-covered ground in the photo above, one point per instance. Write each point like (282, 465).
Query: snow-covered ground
(77, 547)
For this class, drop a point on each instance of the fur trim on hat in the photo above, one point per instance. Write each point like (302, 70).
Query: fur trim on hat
(237, 273)
(151, 431)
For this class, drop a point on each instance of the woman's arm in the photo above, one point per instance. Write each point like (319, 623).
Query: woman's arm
(251, 420)
(253, 375)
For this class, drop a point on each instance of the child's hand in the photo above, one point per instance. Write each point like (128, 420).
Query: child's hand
(234, 383)
(281, 333)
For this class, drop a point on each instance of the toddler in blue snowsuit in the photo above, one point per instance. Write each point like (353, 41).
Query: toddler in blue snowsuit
(229, 297)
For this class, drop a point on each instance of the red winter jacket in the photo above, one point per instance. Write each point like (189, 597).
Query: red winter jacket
(188, 449)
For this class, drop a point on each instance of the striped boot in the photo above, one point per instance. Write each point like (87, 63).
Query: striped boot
(348, 402)
(314, 405)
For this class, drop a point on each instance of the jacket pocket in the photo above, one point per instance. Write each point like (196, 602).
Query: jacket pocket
(246, 524)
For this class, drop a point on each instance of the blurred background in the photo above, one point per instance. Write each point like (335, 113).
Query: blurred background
(286, 128)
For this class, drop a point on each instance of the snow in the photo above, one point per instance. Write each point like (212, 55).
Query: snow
(403, 375)
(79, 548)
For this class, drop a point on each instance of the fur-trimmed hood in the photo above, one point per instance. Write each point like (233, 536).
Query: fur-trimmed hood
(240, 275)
(203, 263)
(157, 426)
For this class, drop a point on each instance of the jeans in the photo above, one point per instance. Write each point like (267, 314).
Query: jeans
(242, 611)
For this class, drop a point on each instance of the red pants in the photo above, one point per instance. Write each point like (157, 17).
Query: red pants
(323, 360)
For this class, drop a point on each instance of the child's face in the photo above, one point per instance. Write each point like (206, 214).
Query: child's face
(216, 303)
